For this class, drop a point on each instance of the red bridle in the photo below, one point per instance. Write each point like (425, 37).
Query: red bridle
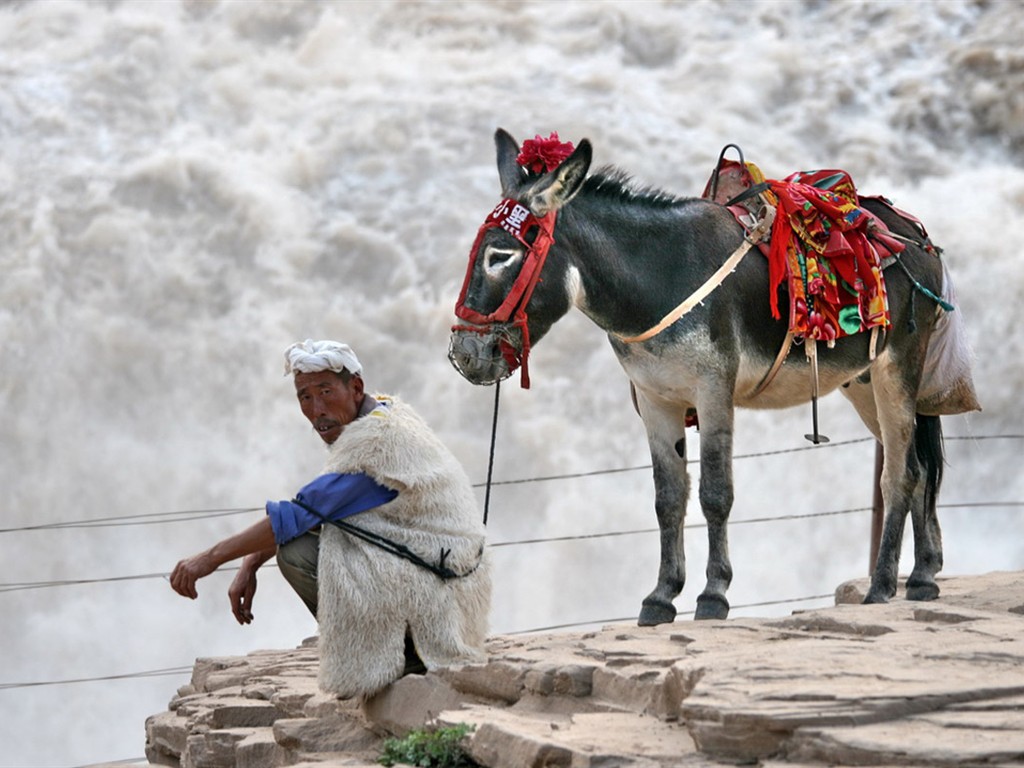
(516, 219)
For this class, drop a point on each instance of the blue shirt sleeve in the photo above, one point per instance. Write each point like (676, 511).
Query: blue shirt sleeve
(333, 495)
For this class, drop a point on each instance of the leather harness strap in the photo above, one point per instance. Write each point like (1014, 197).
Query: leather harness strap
(759, 232)
(877, 335)
(779, 360)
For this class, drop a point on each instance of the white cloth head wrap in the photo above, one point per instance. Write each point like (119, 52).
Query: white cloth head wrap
(314, 356)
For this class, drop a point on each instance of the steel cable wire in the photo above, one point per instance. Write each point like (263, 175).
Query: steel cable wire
(159, 518)
(27, 585)
(166, 672)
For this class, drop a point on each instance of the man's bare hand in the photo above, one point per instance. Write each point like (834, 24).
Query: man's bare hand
(190, 570)
(255, 544)
(242, 592)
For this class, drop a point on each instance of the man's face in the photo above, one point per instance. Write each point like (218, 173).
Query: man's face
(328, 402)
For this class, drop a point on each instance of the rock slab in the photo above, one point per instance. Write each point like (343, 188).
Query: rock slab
(927, 684)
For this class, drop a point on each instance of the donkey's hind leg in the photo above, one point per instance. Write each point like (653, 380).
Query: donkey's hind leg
(921, 584)
(900, 470)
(666, 435)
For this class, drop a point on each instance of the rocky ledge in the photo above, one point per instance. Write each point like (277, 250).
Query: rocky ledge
(938, 683)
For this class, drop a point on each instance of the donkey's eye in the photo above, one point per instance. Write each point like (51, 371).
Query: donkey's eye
(497, 260)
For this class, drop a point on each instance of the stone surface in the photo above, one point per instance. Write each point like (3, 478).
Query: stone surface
(410, 702)
(934, 684)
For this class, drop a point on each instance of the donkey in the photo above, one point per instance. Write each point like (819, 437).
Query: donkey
(625, 256)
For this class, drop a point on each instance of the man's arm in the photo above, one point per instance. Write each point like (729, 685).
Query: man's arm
(242, 591)
(333, 496)
(257, 540)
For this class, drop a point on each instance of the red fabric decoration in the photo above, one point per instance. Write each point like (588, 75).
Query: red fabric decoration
(822, 252)
(542, 155)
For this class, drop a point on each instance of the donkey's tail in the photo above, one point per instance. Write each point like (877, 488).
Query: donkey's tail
(928, 443)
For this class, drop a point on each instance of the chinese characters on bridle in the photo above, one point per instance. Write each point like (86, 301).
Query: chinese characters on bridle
(508, 321)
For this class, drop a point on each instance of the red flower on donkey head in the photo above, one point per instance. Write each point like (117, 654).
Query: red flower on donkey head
(542, 155)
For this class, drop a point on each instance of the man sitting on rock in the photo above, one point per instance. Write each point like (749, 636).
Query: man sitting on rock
(386, 547)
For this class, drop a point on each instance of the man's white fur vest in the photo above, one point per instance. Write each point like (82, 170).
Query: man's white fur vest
(368, 597)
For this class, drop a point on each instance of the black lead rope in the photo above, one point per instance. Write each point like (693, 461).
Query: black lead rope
(490, 461)
(440, 570)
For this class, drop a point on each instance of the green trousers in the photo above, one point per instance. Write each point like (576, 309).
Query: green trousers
(298, 563)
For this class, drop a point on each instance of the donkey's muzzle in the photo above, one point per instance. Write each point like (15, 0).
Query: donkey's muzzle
(483, 355)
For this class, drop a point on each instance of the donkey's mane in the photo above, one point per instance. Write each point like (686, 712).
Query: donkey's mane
(616, 185)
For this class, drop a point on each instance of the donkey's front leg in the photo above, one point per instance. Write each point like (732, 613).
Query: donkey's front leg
(671, 489)
(716, 496)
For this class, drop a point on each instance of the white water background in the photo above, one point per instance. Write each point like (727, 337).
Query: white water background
(188, 187)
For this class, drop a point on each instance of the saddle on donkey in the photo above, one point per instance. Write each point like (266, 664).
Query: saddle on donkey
(829, 253)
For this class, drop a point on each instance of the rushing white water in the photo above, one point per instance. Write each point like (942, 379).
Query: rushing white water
(187, 187)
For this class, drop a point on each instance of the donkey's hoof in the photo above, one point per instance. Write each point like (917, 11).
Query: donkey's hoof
(922, 590)
(875, 597)
(711, 607)
(654, 612)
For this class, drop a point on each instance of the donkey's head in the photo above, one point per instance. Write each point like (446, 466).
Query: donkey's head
(504, 303)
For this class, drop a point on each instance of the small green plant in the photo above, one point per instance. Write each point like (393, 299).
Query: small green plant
(429, 747)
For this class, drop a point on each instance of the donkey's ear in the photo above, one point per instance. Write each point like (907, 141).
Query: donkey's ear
(553, 190)
(510, 172)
